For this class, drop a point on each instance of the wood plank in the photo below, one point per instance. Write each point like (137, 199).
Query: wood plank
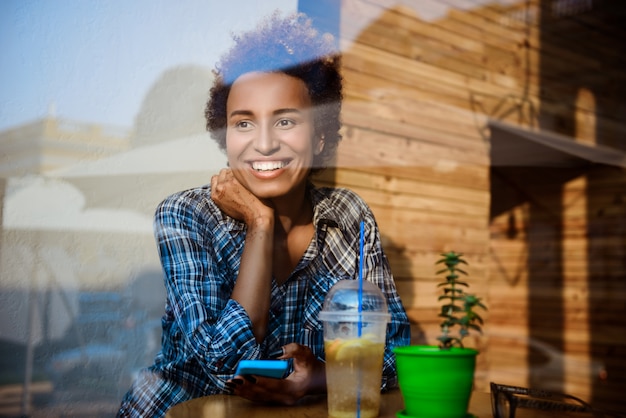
(532, 66)
(376, 62)
(406, 119)
(401, 157)
(419, 203)
(375, 181)
(479, 24)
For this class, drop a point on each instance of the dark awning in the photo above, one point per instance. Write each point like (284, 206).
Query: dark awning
(524, 147)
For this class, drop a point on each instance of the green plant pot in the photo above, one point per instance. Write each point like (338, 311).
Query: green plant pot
(435, 383)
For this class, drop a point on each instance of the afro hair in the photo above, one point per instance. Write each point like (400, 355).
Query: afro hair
(290, 45)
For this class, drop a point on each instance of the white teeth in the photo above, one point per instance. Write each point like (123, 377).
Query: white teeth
(267, 165)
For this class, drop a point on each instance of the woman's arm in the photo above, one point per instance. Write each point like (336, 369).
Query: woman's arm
(254, 281)
(200, 253)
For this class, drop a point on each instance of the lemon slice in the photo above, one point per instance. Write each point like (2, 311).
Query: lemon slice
(352, 349)
(331, 346)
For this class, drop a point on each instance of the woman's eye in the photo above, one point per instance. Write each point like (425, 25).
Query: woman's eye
(243, 124)
(285, 123)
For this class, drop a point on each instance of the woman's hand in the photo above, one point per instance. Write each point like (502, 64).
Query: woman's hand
(308, 377)
(237, 201)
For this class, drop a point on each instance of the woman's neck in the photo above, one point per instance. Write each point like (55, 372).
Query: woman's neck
(293, 211)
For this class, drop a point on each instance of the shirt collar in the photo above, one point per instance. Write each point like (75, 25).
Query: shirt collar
(324, 212)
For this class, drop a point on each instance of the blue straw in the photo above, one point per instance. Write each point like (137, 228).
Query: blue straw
(360, 308)
(361, 239)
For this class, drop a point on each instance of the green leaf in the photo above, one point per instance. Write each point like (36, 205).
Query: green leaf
(459, 292)
(477, 317)
(475, 327)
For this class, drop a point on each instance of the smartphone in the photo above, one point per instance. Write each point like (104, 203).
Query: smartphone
(267, 368)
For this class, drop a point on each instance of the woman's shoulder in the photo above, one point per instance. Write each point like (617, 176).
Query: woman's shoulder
(341, 205)
(192, 196)
(338, 196)
(191, 203)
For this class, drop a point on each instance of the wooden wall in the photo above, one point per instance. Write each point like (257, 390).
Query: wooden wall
(422, 81)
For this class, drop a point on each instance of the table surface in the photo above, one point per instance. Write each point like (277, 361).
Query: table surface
(222, 406)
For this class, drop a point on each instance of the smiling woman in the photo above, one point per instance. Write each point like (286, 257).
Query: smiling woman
(315, 62)
(249, 259)
(270, 134)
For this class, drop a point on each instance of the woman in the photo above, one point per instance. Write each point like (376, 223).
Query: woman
(249, 259)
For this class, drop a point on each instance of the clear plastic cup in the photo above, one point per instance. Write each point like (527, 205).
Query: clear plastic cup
(354, 343)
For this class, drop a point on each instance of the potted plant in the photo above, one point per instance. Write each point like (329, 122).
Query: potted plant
(436, 381)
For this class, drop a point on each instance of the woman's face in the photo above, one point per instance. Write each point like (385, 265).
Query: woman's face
(269, 134)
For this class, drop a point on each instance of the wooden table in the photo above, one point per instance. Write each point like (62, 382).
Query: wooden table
(226, 406)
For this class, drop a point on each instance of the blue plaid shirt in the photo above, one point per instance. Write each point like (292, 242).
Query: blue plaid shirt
(206, 333)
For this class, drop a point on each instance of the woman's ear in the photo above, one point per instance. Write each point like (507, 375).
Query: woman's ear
(319, 147)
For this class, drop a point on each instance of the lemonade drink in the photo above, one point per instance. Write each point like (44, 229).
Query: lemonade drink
(353, 376)
(355, 328)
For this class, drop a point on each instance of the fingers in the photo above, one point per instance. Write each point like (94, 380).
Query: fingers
(303, 358)
(295, 350)
(290, 350)
(260, 389)
(225, 174)
(278, 354)
(213, 181)
(220, 181)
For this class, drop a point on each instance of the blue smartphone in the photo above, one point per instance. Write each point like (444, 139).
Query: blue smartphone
(267, 368)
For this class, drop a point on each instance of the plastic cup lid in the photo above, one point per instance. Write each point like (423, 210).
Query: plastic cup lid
(342, 303)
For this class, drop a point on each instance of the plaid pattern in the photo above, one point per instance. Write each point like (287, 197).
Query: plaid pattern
(205, 333)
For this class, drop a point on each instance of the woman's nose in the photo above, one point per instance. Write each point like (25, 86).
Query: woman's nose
(266, 142)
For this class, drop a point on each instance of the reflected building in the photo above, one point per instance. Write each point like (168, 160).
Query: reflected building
(80, 279)
(50, 143)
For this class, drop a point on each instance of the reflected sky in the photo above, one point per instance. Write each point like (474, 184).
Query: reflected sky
(94, 61)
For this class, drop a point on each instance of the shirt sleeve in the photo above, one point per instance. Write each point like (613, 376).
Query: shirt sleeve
(215, 329)
(377, 270)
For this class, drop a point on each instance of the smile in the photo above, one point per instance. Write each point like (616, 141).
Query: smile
(268, 165)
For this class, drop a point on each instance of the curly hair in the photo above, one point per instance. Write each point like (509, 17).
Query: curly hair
(292, 46)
